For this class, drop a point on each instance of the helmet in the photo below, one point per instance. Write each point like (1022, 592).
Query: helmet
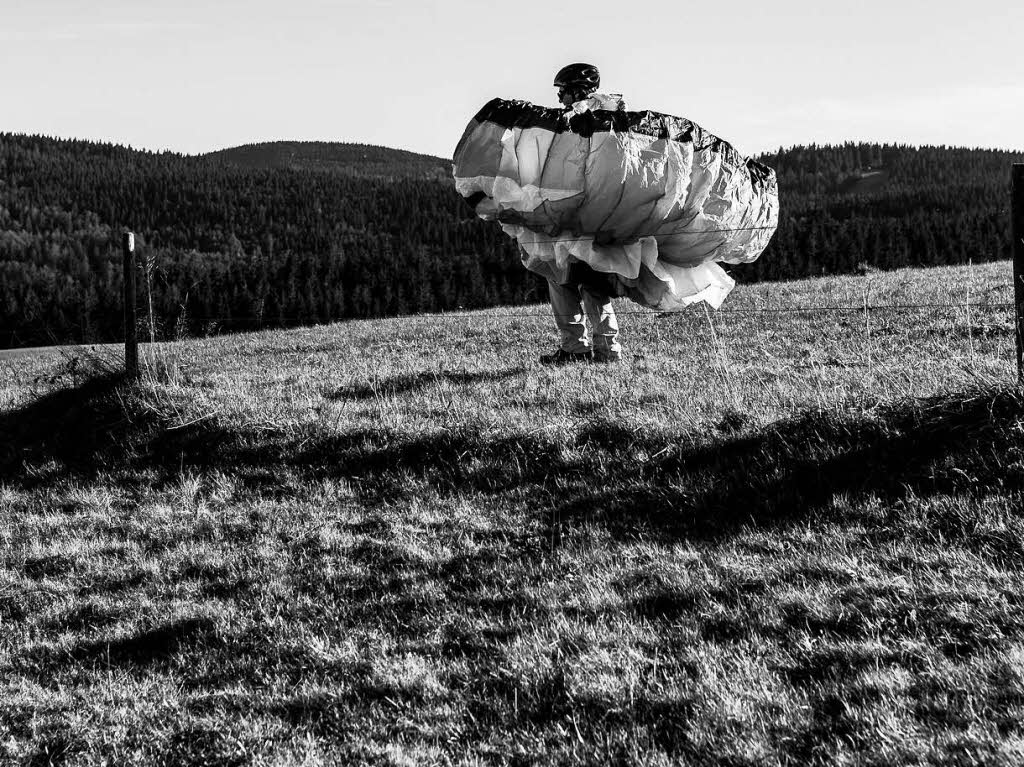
(584, 77)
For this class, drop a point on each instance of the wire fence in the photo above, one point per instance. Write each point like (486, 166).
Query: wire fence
(461, 314)
(476, 313)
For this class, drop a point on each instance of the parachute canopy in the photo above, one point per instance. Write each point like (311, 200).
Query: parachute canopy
(650, 200)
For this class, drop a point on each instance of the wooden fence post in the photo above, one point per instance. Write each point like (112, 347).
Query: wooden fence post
(1017, 229)
(131, 329)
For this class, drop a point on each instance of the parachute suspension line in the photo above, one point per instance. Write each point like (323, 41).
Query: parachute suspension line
(669, 233)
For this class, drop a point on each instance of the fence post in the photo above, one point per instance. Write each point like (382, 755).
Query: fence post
(1017, 229)
(131, 328)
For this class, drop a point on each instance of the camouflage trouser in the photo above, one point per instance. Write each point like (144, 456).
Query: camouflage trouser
(571, 303)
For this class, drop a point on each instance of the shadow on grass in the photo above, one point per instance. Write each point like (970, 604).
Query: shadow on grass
(652, 483)
(74, 427)
(705, 486)
(964, 443)
(103, 424)
(144, 648)
(55, 750)
(147, 647)
(656, 485)
(410, 382)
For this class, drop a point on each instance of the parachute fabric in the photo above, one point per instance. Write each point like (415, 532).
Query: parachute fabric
(650, 200)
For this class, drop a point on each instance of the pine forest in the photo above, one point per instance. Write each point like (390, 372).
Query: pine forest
(287, 234)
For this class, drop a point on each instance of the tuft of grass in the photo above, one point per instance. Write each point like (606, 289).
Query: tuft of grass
(777, 538)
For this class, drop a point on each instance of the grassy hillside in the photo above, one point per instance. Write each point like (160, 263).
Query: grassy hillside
(770, 536)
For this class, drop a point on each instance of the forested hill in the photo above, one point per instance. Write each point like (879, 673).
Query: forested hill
(888, 206)
(350, 159)
(336, 234)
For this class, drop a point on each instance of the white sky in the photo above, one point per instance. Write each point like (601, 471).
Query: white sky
(197, 75)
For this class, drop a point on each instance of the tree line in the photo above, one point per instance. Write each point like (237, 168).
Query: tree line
(235, 246)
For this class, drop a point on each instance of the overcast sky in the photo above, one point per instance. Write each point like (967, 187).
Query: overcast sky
(197, 75)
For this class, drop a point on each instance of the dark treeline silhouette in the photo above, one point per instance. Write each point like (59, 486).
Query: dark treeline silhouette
(299, 233)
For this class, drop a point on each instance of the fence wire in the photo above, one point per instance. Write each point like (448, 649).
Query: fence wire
(291, 322)
(476, 314)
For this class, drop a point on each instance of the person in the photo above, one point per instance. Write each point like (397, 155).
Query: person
(587, 295)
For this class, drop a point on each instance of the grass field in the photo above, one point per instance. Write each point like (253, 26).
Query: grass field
(767, 537)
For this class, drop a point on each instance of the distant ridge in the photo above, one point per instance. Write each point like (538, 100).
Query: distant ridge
(335, 157)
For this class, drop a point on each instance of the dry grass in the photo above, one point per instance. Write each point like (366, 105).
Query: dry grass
(769, 538)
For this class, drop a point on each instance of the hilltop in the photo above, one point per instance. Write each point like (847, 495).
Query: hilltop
(771, 536)
(328, 156)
